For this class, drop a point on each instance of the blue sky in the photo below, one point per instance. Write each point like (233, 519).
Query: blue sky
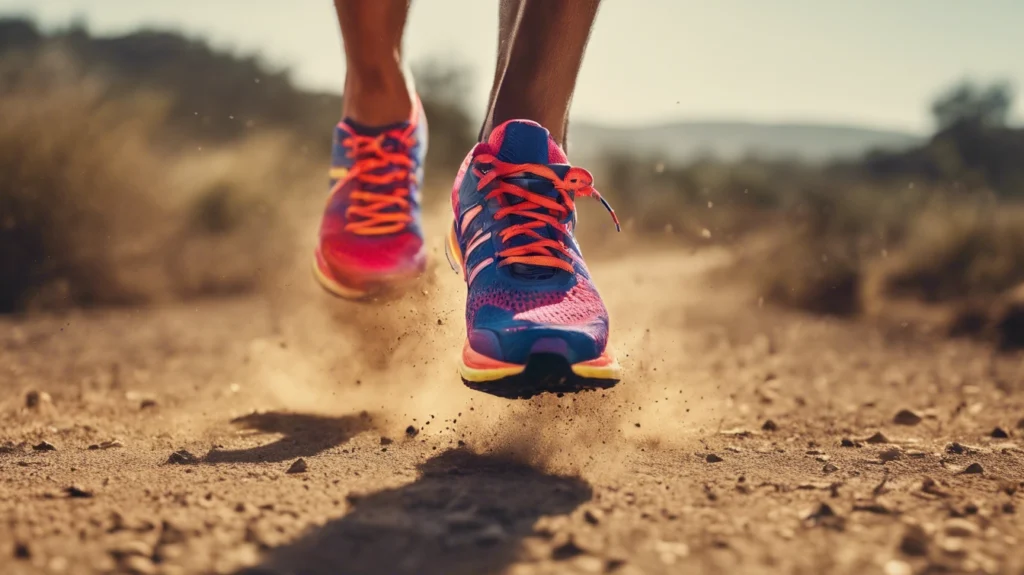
(873, 62)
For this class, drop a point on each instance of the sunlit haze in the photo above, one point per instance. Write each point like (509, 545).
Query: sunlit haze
(876, 62)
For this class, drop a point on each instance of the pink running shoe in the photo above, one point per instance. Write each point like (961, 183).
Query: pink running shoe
(371, 236)
(535, 322)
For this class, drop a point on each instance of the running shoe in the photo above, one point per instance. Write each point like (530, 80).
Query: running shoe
(371, 237)
(534, 320)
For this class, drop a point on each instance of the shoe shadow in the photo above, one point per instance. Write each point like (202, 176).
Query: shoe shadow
(305, 435)
(466, 514)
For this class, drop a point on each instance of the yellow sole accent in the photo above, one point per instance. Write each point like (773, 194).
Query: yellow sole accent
(333, 286)
(608, 372)
(488, 375)
(453, 250)
(612, 371)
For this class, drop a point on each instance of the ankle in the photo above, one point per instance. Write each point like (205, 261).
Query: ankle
(377, 95)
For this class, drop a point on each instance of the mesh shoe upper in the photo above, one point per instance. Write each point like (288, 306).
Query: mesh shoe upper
(529, 290)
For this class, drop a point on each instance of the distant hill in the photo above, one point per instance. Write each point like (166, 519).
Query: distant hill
(683, 141)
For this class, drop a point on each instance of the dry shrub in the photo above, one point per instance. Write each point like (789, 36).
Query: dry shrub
(96, 209)
(959, 251)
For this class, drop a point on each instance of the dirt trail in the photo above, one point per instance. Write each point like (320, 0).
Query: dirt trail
(743, 440)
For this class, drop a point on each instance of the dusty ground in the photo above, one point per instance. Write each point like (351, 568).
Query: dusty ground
(743, 440)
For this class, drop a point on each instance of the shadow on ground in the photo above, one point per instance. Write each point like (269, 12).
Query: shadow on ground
(305, 435)
(466, 514)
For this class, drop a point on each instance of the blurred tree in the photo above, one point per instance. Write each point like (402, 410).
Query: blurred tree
(968, 103)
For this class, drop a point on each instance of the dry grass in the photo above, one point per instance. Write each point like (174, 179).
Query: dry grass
(95, 209)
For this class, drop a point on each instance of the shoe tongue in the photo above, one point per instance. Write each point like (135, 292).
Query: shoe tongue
(522, 142)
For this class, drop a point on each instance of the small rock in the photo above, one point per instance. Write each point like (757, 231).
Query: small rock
(890, 455)
(567, 550)
(106, 445)
(298, 466)
(182, 457)
(137, 565)
(77, 492)
(22, 550)
(825, 516)
(44, 446)
(999, 433)
(973, 469)
(914, 541)
(1020, 423)
(593, 516)
(906, 417)
(877, 438)
(712, 458)
(931, 487)
(953, 545)
(35, 399)
(955, 448)
(897, 567)
(846, 442)
(829, 468)
(957, 527)
(769, 425)
(131, 548)
(411, 431)
(147, 404)
(386, 441)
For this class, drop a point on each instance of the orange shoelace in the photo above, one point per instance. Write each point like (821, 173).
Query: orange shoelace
(367, 216)
(542, 210)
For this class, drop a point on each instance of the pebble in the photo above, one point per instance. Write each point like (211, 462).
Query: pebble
(182, 457)
(130, 548)
(22, 550)
(139, 565)
(712, 458)
(897, 567)
(906, 417)
(953, 545)
(44, 446)
(298, 466)
(999, 433)
(147, 404)
(77, 492)
(35, 399)
(386, 441)
(958, 527)
(769, 425)
(411, 431)
(914, 541)
(829, 468)
(955, 448)
(890, 455)
(877, 438)
(973, 469)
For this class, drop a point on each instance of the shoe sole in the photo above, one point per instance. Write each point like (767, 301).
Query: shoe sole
(336, 288)
(542, 372)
